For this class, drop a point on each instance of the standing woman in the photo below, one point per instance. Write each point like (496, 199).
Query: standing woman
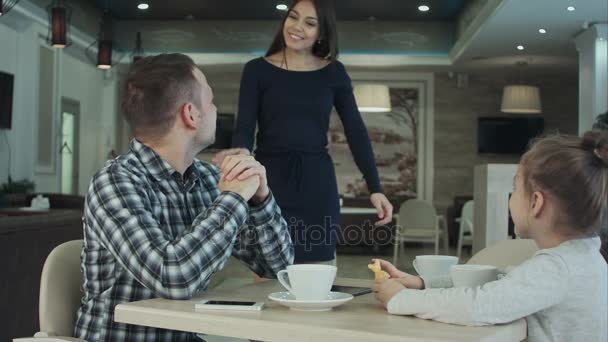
(289, 94)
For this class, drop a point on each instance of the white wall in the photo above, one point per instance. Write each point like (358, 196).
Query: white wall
(16, 57)
(85, 83)
(78, 80)
(592, 45)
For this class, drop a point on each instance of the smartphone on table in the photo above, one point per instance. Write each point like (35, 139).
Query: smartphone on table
(228, 305)
(353, 290)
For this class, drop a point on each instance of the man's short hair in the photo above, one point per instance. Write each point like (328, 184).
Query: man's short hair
(156, 87)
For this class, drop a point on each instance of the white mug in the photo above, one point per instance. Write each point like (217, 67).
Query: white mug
(308, 282)
(473, 275)
(434, 265)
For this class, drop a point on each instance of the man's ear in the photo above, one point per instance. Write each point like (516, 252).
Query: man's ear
(188, 115)
(537, 203)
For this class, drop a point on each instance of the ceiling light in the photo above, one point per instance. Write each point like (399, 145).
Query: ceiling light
(372, 98)
(143, 6)
(282, 7)
(520, 47)
(570, 8)
(6, 5)
(59, 26)
(423, 8)
(542, 31)
(522, 99)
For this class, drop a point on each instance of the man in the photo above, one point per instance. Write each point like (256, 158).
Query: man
(157, 222)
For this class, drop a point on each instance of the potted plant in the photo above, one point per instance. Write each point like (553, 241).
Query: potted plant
(601, 123)
(13, 192)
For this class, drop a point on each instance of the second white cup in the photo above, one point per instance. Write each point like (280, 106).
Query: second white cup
(434, 265)
(308, 282)
(473, 275)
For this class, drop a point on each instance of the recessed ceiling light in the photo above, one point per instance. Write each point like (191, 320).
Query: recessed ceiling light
(542, 31)
(282, 7)
(520, 47)
(423, 8)
(143, 6)
(570, 8)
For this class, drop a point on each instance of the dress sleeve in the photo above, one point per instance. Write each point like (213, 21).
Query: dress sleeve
(355, 130)
(249, 100)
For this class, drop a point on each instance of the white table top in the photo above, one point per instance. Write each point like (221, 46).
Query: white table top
(362, 319)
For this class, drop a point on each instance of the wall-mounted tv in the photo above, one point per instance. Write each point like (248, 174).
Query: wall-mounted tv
(507, 135)
(6, 100)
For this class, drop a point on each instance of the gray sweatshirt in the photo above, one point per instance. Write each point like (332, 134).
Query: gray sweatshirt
(562, 292)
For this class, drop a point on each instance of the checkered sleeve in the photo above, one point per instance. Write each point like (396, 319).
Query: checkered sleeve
(120, 213)
(263, 243)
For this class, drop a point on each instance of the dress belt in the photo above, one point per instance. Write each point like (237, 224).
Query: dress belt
(294, 164)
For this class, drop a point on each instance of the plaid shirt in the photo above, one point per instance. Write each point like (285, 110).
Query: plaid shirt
(149, 232)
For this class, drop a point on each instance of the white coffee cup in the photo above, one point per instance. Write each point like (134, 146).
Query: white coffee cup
(472, 275)
(434, 265)
(308, 282)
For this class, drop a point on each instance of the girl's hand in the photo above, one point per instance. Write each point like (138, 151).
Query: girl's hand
(390, 268)
(385, 290)
(406, 279)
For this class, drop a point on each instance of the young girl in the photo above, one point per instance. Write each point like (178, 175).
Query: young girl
(289, 95)
(559, 200)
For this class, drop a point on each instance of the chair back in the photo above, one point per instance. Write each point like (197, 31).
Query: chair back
(505, 253)
(60, 294)
(416, 213)
(466, 217)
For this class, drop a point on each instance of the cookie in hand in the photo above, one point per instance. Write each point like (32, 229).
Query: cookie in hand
(379, 274)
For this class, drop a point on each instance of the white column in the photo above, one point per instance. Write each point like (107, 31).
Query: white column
(592, 46)
(492, 185)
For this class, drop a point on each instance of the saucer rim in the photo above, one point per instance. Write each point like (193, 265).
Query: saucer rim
(347, 297)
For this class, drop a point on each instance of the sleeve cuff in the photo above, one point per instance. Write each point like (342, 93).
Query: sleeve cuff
(234, 205)
(410, 302)
(264, 212)
(374, 188)
(437, 282)
(393, 305)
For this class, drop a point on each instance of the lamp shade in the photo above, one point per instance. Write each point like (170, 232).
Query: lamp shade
(520, 99)
(104, 54)
(7, 5)
(372, 98)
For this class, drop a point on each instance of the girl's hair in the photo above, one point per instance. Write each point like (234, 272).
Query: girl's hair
(574, 171)
(326, 46)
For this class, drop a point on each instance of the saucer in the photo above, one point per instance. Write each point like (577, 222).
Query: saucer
(333, 299)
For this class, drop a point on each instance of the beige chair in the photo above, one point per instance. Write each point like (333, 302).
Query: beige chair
(465, 234)
(418, 222)
(59, 294)
(505, 254)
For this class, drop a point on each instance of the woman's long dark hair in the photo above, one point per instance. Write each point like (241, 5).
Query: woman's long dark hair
(327, 47)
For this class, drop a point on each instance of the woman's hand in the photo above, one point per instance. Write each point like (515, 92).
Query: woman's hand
(218, 158)
(384, 208)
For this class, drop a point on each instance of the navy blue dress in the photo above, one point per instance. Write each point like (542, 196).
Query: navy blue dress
(291, 110)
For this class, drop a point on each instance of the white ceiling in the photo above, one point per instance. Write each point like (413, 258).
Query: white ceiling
(516, 22)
